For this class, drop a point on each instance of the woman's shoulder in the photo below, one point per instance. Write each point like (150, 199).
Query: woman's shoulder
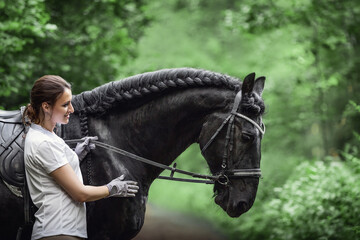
(38, 138)
(43, 145)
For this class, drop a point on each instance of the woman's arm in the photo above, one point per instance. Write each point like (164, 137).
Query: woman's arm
(67, 179)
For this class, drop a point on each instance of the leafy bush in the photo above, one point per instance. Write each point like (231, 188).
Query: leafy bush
(319, 202)
(86, 42)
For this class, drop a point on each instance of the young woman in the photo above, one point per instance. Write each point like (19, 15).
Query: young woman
(52, 169)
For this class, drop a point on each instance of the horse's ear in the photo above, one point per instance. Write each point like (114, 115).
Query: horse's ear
(248, 84)
(259, 85)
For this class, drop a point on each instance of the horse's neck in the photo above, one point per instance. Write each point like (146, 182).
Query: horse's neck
(163, 128)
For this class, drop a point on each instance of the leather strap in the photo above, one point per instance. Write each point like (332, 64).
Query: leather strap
(215, 134)
(236, 102)
(27, 203)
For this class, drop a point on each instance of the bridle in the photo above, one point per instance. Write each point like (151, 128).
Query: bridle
(224, 175)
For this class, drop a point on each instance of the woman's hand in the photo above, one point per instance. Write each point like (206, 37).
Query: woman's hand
(120, 188)
(83, 148)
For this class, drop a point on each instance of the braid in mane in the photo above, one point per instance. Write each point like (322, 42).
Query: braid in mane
(102, 98)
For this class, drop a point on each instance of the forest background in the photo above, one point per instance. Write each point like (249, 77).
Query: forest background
(308, 50)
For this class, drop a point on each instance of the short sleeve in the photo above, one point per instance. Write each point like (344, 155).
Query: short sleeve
(51, 156)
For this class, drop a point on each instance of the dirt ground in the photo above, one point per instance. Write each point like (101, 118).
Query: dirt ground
(161, 224)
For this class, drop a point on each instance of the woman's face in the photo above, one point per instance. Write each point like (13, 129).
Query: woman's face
(62, 108)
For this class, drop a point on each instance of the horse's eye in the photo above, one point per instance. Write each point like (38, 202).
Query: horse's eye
(246, 137)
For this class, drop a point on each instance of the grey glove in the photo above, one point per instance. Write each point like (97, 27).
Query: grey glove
(83, 148)
(120, 188)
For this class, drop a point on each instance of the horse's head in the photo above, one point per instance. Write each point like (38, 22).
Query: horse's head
(231, 144)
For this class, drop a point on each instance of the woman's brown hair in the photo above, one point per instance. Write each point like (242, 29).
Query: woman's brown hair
(47, 89)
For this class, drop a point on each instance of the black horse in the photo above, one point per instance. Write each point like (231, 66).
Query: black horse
(157, 115)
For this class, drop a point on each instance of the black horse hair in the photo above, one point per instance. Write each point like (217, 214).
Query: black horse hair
(102, 98)
(252, 105)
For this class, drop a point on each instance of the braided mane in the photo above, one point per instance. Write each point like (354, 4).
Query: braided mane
(100, 99)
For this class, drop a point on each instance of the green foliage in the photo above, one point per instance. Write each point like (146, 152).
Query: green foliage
(351, 151)
(316, 203)
(21, 24)
(84, 42)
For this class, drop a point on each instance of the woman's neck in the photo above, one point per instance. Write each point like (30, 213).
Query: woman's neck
(48, 125)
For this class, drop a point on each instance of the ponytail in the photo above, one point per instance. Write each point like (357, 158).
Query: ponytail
(29, 116)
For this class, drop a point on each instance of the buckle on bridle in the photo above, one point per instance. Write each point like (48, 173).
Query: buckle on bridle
(223, 180)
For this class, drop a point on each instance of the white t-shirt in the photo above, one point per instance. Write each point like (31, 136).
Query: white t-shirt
(58, 213)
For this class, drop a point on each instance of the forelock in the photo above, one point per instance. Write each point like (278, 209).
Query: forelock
(252, 104)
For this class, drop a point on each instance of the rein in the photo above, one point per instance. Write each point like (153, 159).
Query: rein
(223, 177)
(173, 169)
